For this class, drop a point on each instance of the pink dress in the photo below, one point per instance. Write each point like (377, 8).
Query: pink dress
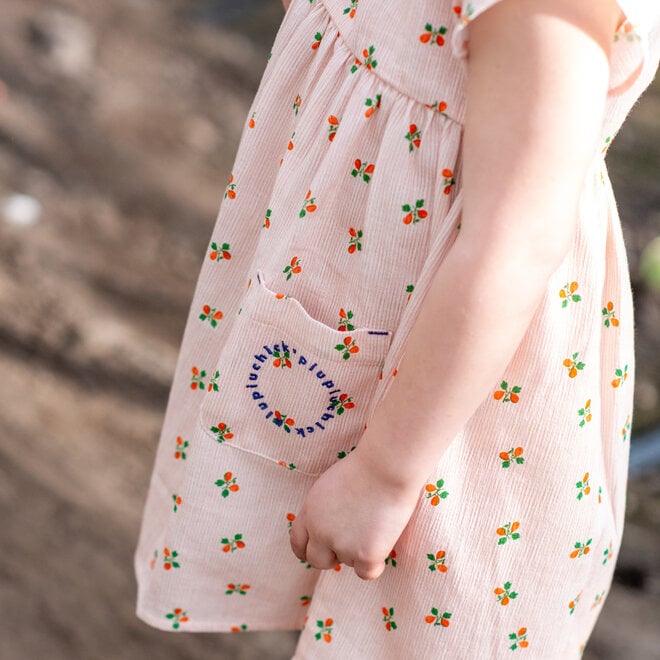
(344, 197)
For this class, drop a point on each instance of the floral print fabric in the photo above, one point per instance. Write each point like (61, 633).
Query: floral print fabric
(343, 199)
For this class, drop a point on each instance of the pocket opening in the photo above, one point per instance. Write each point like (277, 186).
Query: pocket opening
(286, 391)
(372, 343)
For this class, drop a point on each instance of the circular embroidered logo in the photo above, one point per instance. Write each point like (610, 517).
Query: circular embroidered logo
(284, 357)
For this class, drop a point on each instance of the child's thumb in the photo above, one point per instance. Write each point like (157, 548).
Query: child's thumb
(368, 570)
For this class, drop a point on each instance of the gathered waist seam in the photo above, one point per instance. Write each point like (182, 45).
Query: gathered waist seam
(377, 75)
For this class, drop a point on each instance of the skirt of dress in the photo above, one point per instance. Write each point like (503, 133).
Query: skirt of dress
(514, 539)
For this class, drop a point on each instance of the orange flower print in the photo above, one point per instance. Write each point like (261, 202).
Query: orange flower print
(354, 242)
(308, 205)
(580, 549)
(620, 376)
(289, 466)
(520, 639)
(391, 558)
(435, 492)
(372, 105)
(305, 600)
(343, 402)
(414, 137)
(447, 180)
(508, 532)
(212, 314)
(607, 553)
(181, 446)
(283, 421)
(242, 628)
(290, 517)
(297, 103)
(228, 484)
(325, 630)
(625, 429)
(432, 35)
(230, 190)
(512, 455)
(318, 37)
(293, 268)
(251, 123)
(573, 365)
(568, 293)
(229, 545)
(388, 617)
(213, 383)
(177, 616)
(235, 588)
(266, 224)
(437, 561)
(600, 492)
(598, 599)
(282, 357)
(440, 106)
(348, 347)
(504, 394)
(409, 290)
(572, 605)
(458, 10)
(351, 9)
(218, 253)
(438, 619)
(609, 315)
(222, 432)
(334, 125)
(197, 379)
(291, 144)
(585, 413)
(414, 214)
(177, 499)
(626, 31)
(169, 559)
(345, 318)
(583, 486)
(365, 170)
(152, 561)
(504, 594)
(369, 62)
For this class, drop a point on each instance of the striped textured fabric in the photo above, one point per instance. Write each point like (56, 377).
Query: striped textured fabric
(344, 198)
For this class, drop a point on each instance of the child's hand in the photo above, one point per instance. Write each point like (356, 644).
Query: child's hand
(351, 516)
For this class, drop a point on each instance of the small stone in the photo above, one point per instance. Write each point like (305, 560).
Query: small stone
(65, 39)
(19, 209)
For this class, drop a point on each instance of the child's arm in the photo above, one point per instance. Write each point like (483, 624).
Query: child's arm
(537, 81)
(538, 75)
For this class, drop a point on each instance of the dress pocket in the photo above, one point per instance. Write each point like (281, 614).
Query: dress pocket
(291, 388)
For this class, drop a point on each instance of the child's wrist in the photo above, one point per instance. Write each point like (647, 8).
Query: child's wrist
(384, 463)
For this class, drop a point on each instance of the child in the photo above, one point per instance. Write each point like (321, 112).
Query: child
(397, 479)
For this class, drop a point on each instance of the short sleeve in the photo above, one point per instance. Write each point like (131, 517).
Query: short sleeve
(630, 42)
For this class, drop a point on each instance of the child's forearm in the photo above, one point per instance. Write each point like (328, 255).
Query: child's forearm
(472, 320)
(526, 153)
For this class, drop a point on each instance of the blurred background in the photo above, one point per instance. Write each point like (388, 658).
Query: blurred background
(119, 123)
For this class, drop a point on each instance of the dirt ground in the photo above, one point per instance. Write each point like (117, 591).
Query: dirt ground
(121, 120)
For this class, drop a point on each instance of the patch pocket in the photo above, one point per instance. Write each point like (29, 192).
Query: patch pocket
(291, 388)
